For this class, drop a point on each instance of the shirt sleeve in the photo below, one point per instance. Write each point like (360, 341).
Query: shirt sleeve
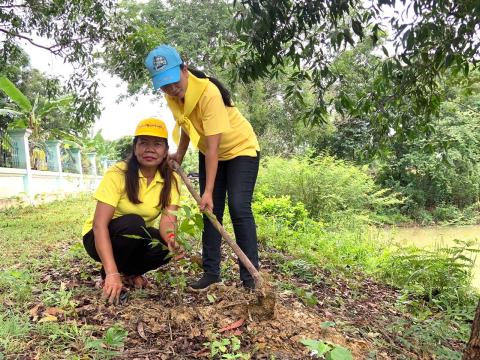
(111, 187)
(214, 113)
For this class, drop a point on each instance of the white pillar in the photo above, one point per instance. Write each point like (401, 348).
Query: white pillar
(20, 146)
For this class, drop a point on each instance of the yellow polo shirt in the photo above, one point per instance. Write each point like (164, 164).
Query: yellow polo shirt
(112, 191)
(205, 110)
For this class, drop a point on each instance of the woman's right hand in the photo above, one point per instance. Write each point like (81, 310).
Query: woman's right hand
(176, 156)
(112, 288)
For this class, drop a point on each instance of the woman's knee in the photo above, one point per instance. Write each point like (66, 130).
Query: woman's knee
(239, 208)
(130, 224)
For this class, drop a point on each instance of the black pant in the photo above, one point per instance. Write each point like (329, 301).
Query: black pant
(236, 177)
(133, 256)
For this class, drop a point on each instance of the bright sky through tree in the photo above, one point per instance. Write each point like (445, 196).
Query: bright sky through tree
(117, 119)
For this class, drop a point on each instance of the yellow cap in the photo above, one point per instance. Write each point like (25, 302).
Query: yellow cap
(152, 127)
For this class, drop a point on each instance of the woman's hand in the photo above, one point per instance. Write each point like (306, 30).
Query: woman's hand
(176, 156)
(206, 202)
(112, 288)
(176, 249)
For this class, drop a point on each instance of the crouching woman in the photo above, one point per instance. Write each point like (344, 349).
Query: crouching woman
(130, 197)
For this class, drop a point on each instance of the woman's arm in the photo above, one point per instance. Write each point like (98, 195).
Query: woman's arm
(168, 224)
(103, 244)
(211, 166)
(182, 148)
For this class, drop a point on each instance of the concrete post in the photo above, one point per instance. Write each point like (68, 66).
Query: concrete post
(104, 160)
(54, 160)
(77, 159)
(20, 145)
(93, 163)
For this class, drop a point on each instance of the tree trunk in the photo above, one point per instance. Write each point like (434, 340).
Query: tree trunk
(472, 352)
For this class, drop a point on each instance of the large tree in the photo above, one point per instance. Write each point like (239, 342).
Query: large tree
(72, 29)
(429, 36)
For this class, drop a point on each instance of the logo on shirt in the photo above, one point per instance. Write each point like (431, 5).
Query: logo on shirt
(159, 62)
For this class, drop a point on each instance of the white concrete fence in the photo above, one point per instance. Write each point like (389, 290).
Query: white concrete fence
(29, 185)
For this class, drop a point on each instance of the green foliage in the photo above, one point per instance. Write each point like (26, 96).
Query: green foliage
(16, 285)
(280, 209)
(123, 147)
(15, 95)
(111, 342)
(343, 244)
(441, 276)
(136, 37)
(225, 348)
(327, 350)
(307, 297)
(190, 225)
(14, 329)
(190, 162)
(62, 298)
(290, 37)
(33, 116)
(61, 23)
(174, 22)
(327, 187)
(433, 333)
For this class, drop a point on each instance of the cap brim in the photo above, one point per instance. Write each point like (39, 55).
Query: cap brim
(166, 77)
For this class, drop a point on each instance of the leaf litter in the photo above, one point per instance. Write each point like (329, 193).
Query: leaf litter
(346, 313)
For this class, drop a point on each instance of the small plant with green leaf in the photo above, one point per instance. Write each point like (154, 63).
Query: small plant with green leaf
(327, 350)
(63, 298)
(225, 348)
(110, 344)
(307, 297)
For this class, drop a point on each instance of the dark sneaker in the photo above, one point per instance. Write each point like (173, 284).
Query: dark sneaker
(249, 284)
(204, 283)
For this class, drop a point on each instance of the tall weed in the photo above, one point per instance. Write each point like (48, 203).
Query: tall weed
(441, 276)
(328, 188)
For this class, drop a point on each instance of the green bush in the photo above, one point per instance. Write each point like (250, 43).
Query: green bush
(281, 209)
(441, 276)
(446, 213)
(328, 188)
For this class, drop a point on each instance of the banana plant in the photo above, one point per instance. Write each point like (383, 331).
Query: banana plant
(28, 115)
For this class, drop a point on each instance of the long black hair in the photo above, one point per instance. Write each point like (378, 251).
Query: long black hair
(131, 178)
(226, 97)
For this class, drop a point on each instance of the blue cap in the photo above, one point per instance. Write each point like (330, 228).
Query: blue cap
(163, 63)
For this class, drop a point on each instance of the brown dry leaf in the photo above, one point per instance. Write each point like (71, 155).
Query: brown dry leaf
(34, 311)
(141, 330)
(54, 311)
(232, 326)
(48, 318)
(195, 332)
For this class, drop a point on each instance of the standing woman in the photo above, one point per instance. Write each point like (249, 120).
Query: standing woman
(130, 197)
(228, 157)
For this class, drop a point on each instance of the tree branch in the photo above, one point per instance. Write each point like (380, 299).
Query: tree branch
(12, 6)
(52, 48)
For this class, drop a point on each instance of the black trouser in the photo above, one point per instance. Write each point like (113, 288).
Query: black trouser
(133, 256)
(236, 177)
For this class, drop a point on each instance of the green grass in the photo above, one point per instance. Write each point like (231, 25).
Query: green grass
(35, 231)
(33, 239)
(47, 237)
(14, 331)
